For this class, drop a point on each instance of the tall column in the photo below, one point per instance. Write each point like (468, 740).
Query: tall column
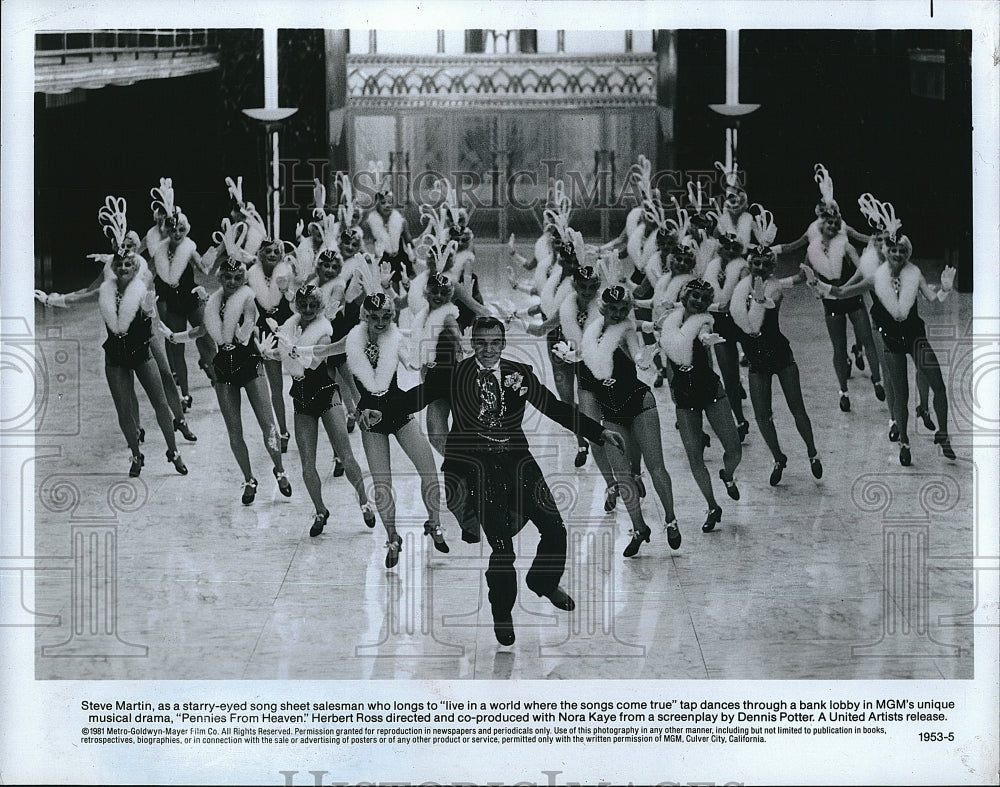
(336, 102)
(666, 97)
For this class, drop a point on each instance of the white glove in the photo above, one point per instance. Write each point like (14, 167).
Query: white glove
(563, 351)
(272, 324)
(385, 274)
(809, 273)
(42, 297)
(148, 302)
(300, 228)
(201, 292)
(823, 289)
(244, 332)
(711, 339)
(354, 289)
(104, 259)
(645, 358)
(267, 345)
(715, 307)
(948, 278)
(776, 249)
(166, 332)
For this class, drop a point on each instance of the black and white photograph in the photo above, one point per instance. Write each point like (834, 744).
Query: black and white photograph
(609, 395)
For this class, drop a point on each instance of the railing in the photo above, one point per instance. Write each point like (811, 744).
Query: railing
(450, 80)
(85, 45)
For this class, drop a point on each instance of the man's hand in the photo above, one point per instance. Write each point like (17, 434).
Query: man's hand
(613, 438)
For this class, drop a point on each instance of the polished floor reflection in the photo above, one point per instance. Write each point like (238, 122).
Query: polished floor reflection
(864, 574)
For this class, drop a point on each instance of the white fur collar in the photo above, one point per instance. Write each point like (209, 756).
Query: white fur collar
(427, 328)
(828, 264)
(704, 253)
(632, 220)
(679, 335)
(634, 245)
(307, 337)
(222, 327)
(869, 261)
(170, 270)
(724, 281)
(119, 318)
(416, 301)
(265, 288)
(547, 296)
(377, 380)
(909, 284)
(749, 317)
(333, 293)
(597, 348)
(568, 313)
(386, 234)
(305, 259)
(672, 290)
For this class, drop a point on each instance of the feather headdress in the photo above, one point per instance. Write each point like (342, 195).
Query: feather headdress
(236, 190)
(163, 197)
(730, 177)
(560, 206)
(881, 215)
(381, 181)
(764, 228)
(231, 238)
(642, 175)
(825, 183)
(319, 199)
(113, 221)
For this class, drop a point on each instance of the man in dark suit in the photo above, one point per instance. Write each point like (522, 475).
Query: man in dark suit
(487, 459)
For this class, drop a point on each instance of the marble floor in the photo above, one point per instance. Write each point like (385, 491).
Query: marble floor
(867, 573)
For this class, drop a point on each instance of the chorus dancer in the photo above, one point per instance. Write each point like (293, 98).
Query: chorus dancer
(734, 217)
(570, 254)
(389, 229)
(445, 247)
(610, 355)
(685, 336)
(173, 262)
(557, 204)
(826, 207)
(230, 319)
(375, 348)
(129, 313)
(343, 316)
(309, 240)
(487, 454)
(894, 310)
(723, 273)
(755, 308)
(569, 248)
(243, 212)
(882, 218)
(702, 227)
(658, 274)
(574, 316)
(302, 344)
(832, 260)
(113, 216)
(272, 279)
(157, 233)
(641, 178)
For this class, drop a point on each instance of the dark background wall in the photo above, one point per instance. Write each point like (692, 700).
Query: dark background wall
(842, 98)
